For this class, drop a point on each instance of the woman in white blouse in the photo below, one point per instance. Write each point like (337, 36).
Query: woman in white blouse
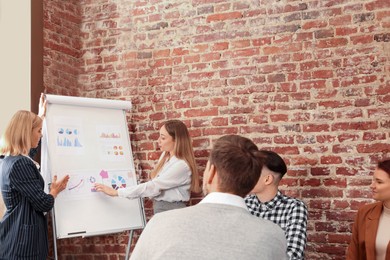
(174, 176)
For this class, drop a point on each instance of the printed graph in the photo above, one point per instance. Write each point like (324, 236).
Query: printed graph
(117, 179)
(68, 137)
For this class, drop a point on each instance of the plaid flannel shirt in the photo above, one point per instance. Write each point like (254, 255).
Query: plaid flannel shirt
(290, 214)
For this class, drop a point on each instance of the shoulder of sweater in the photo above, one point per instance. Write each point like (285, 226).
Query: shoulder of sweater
(200, 207)
(206, 208)
(203, 210)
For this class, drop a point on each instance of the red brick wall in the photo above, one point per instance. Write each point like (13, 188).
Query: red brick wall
(309, 79)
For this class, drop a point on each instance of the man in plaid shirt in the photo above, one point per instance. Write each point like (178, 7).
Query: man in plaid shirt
(266, 201)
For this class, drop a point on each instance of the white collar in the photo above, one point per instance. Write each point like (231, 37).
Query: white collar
(224, 198)
(36, 164)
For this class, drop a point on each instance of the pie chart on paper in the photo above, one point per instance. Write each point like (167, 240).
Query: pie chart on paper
(118, 182)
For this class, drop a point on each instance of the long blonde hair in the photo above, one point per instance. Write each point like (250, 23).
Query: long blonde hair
(183, 150)
(17, 136)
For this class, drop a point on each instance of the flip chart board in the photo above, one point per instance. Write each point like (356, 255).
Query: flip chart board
(88, 139)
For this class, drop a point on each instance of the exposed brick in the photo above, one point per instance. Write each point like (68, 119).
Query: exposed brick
(220, 46)
(316, 127)
(331, 160)
(362, 39)
(361, 193)
(325, 226)
(319, 171)
(293, 17)
(321, 193)
(373, 148)
(221, 131)
(201, 112)
(323, 74)
(323, 33)
(284, 139)
(355, 126)
(276, 78)
(262, 41)
(313, 84)
(330, 43)
(205, 9)
(340, 183)
(235, 120)
(345, 31)
(378, 4)
(358, 18)
(222, 7)
(223, 16)
(281, 49)
(307, 79)
(340, 20)
(310, 182)
(384, 37)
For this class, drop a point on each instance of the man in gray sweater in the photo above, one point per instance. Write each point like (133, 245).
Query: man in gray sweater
(220, 226)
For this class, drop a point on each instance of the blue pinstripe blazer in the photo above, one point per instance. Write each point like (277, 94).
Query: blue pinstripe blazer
(23, 229)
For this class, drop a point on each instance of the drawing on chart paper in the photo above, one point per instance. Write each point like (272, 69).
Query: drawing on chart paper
(69, 136)
(76, 185)
(117, 179)
(111, 143)
(81, 183)
(113, 135)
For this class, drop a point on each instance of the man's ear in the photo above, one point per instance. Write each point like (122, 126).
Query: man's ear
(212, 172)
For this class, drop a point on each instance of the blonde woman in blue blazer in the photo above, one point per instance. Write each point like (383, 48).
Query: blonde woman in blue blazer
(23, 228)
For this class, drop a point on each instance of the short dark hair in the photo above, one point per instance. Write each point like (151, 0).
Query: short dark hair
(274, 162)
(238, 163)
(385, 166)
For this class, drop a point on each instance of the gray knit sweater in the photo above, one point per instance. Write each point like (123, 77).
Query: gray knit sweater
(210, 231)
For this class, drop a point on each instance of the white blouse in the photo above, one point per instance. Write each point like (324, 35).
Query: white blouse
(172, 183)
